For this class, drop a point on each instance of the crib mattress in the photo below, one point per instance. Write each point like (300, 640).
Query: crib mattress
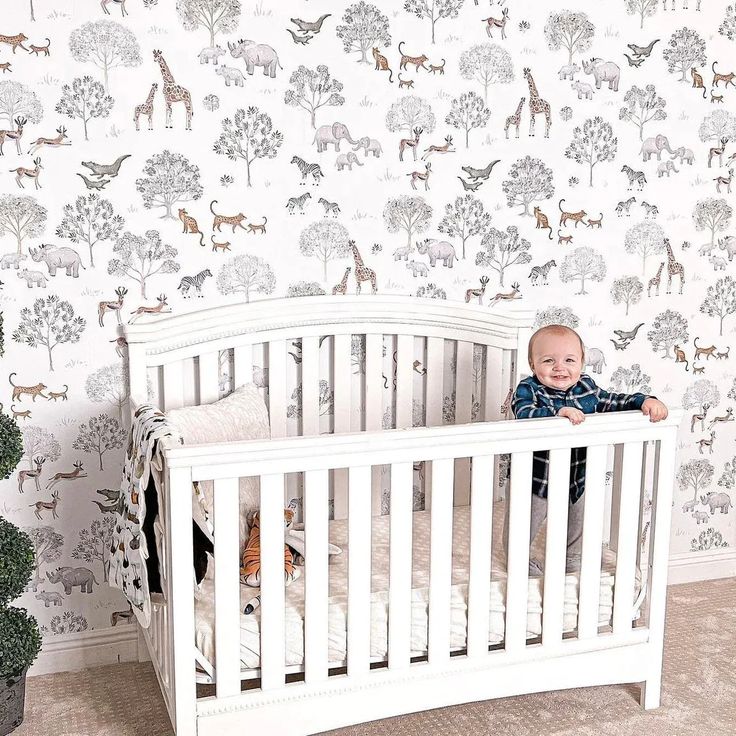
(337, 603)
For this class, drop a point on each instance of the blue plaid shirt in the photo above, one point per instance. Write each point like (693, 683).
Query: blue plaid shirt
(533, 399)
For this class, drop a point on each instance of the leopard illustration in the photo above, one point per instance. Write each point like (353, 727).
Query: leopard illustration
(542, 221)
(418, 61)
(190, 225)
(565, 216)
(34, 391)
(15, 41)
(233, 220)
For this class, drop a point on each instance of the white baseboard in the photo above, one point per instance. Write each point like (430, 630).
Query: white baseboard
(691, 567)
(69, 652)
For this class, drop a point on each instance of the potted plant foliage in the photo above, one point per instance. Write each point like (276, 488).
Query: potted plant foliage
(20, 639)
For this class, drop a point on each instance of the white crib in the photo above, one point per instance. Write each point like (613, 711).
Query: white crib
(176, 360)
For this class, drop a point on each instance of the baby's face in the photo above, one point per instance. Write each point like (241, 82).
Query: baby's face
(556, 360)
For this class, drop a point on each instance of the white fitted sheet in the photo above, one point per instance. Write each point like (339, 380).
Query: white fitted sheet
(337, 605)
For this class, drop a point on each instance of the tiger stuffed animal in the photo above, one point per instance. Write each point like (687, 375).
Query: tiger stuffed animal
(250, 568)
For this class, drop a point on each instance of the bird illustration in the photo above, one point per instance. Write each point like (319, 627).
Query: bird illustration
(634, 62)
(100, 184)
(300, 39)
(630, 334)
(314, 27)
(469, 186)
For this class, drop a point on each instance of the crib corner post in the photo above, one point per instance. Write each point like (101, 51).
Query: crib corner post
(650, 692)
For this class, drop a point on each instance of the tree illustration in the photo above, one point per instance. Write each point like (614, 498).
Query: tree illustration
(712, 214)
(718, 124)
(627, 290)
(47, 544)
(467, 112)
(84, 99)
(99, 435)
(570, 30)
(669, 328)
(685, 49)
(411, 214)
(51, 322)
(250, 135)
(696, 474)
(363, 27)
(312, 89)
(433, 10)
(644, 239)
(503, 249)
(245, 274)
(630, 380)
(168, 178)
(699, 394)
(109, 384)
(645, 9)
(556, 316)
(728, 477)
(305, 288)
(325, 241)
(592, 144)
(581, 264)
(408, 113)
(90, 220)
(23, 217)
(69, 622)
(642, 106)
(326, 401)
(215, 16)
(464, 218)
(728, 25)
(106, 44)
(529, 180)
(140, 257)
(94, 543)
(486, 63)
(19, 99)
(39, 442)
(720, 300)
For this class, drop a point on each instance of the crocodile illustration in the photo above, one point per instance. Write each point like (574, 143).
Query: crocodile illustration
(305, 25)
(100, 184)
(118, 502)
(101, 170)
(642, 51)
(630, 334)
(480, 173)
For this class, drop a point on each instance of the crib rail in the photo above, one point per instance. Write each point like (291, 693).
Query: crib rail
(637, 441)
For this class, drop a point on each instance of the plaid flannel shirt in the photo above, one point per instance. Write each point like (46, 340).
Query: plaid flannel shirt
(533, 399)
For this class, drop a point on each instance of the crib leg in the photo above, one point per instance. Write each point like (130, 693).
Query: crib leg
(649, 696)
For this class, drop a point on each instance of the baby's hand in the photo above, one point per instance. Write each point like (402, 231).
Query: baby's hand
(573, 414)
(655, 409)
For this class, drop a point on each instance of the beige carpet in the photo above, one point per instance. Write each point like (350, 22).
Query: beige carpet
(699, 692)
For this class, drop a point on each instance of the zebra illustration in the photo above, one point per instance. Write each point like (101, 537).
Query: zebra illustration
(625, 205)
(196, 281)
(637, 177)
(542, 271)
(307, 169)
(297, 202)
(330, 207)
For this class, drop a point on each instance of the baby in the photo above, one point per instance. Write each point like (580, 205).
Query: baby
(559, 388)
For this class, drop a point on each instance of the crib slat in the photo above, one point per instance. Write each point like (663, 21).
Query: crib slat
(495, 391)
(227, 587)
(404, 361)
(400, 557)
(173, 385)
(243, 368)
(191, 382)
(590, 568)
(342, 387)
(317, 574)
(359, 570)
(463, 415)
(310, 385)
(272, 581)
(481, 523)
(373, 407)
(517, 582)
(440, 561)
(277, 387)
(435, 376)
(626, 549)
(555, 553)
(209, 385)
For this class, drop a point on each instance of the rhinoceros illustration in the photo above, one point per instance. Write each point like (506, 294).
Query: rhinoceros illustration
(71, 576)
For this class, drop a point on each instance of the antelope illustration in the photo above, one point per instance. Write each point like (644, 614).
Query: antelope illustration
(412, 143)
(707, 443)
(497, 23)
(421, 176)
(727, 417)
(445, 148)
(470, 293)
(115, 306)
(78, 472)
(23, 475)
(53, 142)
(13, 135)
(47, 506)
(121, 3)
(515, 293)
(726, 180)
(158, 309)
(23, 172)
(717, 151)
(699, 418)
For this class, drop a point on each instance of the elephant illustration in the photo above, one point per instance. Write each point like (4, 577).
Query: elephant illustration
(720, 501)
(369, 145)
(437, 250)
(327, 135)
(595, 359)
(55, 258)
(655, 144)
(255, 54)
(71, 576)
(665, 167)
(685, 155)
(347, 159)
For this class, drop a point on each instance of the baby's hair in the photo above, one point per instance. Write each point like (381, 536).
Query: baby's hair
(556, 329)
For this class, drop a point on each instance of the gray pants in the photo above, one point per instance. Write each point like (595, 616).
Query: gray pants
(538, 515)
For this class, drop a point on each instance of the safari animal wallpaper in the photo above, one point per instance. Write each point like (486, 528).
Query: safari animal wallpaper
(160, 156)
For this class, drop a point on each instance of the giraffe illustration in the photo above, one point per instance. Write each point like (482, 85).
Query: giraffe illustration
(146, 108)
(342, 287)
(537, 104)
(362, 272)
(673, 267)
(654, 281)
(514, 119)
(173, 92)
